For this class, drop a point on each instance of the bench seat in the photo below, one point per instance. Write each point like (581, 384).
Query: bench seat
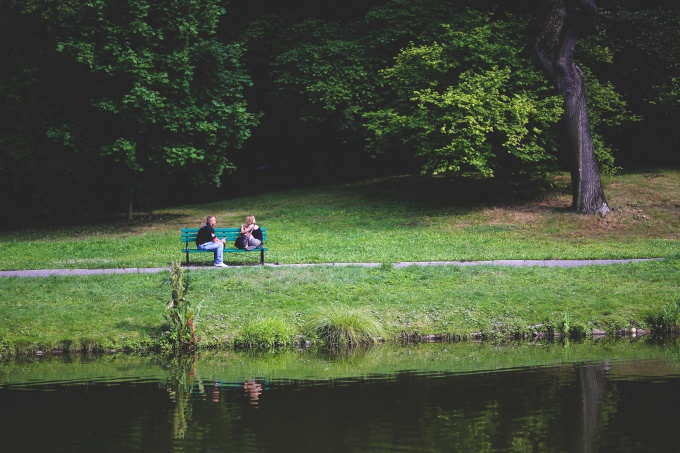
(188, 238)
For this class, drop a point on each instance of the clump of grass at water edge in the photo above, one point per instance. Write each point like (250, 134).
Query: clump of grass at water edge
(342, 327)
(666, 321)
(265, 333)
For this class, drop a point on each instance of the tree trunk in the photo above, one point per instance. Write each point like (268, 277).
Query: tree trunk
(559, 24)
(130, 206)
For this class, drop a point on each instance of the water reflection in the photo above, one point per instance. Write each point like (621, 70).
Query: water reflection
(432, 398)
(215, 398)
(180, 383)
(253, 391)
(591, 382)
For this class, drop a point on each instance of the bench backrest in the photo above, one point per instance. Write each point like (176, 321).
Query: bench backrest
(230, 234)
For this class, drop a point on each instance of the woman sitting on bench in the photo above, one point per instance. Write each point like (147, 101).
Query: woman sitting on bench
(252, 232)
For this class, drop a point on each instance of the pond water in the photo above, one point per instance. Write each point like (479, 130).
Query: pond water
(614, 396)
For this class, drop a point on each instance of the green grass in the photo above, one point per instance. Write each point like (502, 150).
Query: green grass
(384, 221)
(117, 311)
(265, 333)
(339, 328)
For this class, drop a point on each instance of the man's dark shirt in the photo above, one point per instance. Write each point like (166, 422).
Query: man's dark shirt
(205, 234)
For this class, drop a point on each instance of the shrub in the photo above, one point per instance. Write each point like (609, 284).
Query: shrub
(345, 327)
(265, 333)
(667, 320)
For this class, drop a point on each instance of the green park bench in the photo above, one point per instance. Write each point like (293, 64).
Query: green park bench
(188, 237)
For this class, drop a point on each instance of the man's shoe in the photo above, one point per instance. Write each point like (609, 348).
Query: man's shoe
(221, 265)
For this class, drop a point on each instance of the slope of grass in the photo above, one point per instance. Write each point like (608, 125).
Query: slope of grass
(382, 220)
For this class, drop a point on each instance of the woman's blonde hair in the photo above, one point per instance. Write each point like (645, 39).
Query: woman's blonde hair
(250, 219)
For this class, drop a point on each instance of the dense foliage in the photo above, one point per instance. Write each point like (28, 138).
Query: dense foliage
(106, 99)
(469, 101)
(644, 40)
(430, 86)
(136, 91)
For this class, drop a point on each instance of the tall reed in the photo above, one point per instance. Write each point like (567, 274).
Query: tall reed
(179, 311)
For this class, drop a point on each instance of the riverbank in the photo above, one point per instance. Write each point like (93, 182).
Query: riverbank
(124, 312)
(422, 256)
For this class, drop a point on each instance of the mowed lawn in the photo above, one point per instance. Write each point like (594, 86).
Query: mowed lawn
(383, 221)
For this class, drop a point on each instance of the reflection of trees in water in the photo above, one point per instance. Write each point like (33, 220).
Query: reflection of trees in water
(556, 408)
(592, 380)
(184, 385)
(549, 409)
(181, 377)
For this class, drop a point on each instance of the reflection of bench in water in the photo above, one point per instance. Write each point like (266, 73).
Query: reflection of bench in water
(251, 387)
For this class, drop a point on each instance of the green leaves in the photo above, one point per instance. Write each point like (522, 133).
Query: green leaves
(169, 92)
(125, 151)
(467, 102)
(455, 88)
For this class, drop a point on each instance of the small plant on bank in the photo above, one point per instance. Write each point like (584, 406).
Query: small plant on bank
(265, 333)
(179, 312)
(567, 321)
(572, 330)
(666, 321)
(341, 327)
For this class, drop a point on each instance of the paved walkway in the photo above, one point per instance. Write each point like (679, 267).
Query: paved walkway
(512, 263)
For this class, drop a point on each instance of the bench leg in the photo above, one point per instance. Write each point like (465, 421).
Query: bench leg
(187, 258)
(262, 257)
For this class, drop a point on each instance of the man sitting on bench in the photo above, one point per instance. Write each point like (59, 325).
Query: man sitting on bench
(206, 240)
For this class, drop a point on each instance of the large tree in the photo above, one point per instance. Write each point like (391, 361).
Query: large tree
(431, 86)
(170, 94)
(146, 94)
(559, 26)
(470, 102)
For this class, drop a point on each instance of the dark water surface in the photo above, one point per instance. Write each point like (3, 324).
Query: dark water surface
(620, 396)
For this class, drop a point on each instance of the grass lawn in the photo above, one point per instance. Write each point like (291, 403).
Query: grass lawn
(115, 311)
(383, 220)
